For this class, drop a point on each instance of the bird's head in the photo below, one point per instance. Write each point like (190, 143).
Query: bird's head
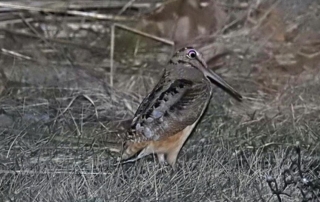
(191, 57)
(188, 56)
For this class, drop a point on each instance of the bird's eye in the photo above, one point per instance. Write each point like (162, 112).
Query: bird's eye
(192, 54)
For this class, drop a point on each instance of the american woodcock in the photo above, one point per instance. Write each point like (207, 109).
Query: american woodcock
(166, 117)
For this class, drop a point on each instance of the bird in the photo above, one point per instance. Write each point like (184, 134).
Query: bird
(168, 114)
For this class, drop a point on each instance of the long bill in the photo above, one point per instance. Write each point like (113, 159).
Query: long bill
(217, 80)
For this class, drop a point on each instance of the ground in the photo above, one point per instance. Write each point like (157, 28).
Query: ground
(62, 104)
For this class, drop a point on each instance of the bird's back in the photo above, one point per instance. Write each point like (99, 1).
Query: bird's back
(177, 101)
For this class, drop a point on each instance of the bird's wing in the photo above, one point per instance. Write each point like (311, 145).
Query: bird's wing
(169, 108)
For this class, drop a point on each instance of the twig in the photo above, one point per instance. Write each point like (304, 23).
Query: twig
(112, 54)
(126, 6)
(54, 172)
(76, 125)
(236, 6)
(234, 22)
(309, 56)
(43, 38)
(15, 139)
(70, 12)
(83, 4)
(54, 40)
(72, 101)
(112, 44)
(163, 40)
(13, 53)
(265, 15)
(5, 23)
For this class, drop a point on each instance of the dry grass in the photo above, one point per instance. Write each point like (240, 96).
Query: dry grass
(58, 110)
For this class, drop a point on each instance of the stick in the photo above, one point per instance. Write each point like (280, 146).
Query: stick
(112, 54)
(163, 40)
(70, 12)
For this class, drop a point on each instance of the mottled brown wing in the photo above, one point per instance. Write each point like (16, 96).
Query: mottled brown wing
(149, 99)
(169, 108)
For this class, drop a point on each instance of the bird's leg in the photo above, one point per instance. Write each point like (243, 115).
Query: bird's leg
(172, 157)
(174, 151)
(161, 158)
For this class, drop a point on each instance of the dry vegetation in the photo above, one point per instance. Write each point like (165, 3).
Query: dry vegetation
(66, 90)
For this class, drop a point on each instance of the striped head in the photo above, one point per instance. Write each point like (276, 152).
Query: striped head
(190, 57)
